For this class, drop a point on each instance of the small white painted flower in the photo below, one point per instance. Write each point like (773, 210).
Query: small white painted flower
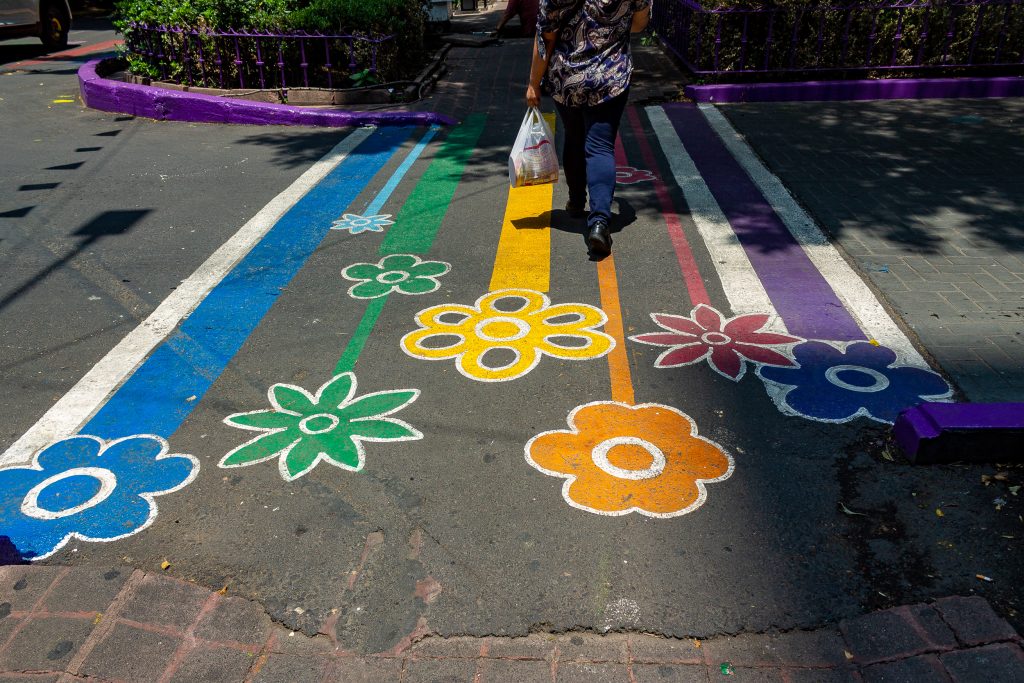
(356, 224)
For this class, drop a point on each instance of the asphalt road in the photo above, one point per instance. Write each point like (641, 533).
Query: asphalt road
(434, 518)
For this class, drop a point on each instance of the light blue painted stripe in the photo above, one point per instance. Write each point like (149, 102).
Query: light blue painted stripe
(162, 392)
(385, 193)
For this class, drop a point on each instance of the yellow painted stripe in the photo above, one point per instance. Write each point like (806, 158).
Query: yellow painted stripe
(524, 248)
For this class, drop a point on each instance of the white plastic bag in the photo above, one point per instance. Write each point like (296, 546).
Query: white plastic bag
(533, 160)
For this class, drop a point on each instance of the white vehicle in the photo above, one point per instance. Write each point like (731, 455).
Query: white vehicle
(48, 20)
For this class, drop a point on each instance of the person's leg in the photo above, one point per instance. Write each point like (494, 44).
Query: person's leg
(602, 127)
(574, 161)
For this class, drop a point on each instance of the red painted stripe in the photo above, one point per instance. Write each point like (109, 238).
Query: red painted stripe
(687, 263)
(105, 46)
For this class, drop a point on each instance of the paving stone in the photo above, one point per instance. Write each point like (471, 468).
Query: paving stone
(281, 668)
(824, 647)
(670, 673)
(588, 647)
(746, 674)
(439, 671)
(505, 670)
(23, 586)
(46, 644)
(459, 648)
(836, 675)
(579, 672)
(1002, 662)
(645, 648)
(366, 670)
(131, 654)
(20, 678)
(922, 669)
(535, 646)
(87, 590)
(973, 620)
(899, 632)
(213, 664)
(235, 620)
(749, 649)
(165, 601)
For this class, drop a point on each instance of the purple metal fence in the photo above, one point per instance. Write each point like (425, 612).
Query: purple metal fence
(911, 36)
(253, 60)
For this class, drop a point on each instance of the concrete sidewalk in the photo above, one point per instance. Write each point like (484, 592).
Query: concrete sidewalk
(64, 624)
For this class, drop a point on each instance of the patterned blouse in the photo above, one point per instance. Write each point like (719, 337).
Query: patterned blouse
(590, 62)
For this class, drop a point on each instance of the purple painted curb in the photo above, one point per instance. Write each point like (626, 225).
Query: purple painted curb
(948, 432)
(881, 89)
(171, 105)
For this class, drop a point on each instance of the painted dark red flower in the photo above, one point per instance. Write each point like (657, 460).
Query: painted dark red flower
(629, 175)
(726, 343)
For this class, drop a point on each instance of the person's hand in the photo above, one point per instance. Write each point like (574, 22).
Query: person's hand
(532, 95)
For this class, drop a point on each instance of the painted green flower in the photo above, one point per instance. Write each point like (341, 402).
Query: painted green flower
(405, 273)
(303, 429)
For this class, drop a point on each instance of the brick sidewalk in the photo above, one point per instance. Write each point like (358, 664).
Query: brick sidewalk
(66, 624)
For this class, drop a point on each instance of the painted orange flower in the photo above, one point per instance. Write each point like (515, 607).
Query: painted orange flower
(618, 458)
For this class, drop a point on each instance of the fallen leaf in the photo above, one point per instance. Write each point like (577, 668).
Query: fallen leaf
(1014, 490)
(1001, 476)
(848, 655)
(696, 643)
(939, 512)
(848, 511)
(165, 565)
(986, 479)
(982, 577)
(223, 591)
(888, 456)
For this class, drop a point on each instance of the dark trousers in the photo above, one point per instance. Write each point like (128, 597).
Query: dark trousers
(588, 155)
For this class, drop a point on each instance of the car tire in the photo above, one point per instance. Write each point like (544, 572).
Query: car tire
(55, 25)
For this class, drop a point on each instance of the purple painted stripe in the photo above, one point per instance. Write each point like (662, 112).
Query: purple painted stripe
(801, 295)
(879, 89)
(946, 432)
(172, 105)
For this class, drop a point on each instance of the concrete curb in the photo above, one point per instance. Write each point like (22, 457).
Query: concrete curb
(948, 432)
(169, 105)
(881, 89)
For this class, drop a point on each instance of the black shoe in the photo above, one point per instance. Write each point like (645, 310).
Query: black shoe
(599, 239)
(576, 210)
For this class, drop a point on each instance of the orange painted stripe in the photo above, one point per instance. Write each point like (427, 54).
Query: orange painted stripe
(618, 361)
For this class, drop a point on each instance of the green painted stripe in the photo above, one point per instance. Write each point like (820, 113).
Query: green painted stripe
(362, 333)
(420, 218)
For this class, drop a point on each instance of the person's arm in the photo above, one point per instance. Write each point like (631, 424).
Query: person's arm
(538, 67)
(510, 11)
(640, 20)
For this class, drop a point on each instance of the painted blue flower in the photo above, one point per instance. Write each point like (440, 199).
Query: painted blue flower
(356, 224)
(833, 385)
(91, 489)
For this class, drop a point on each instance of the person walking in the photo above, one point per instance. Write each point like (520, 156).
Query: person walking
(526, 10)
(582, 48)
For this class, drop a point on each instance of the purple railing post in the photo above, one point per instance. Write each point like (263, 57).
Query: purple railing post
(718, 40)
(821, 36)
(304, 64)
(1002, 34)
(259, 63)
(844, 53)
(872, 37)
(327, 64)
(238, 64)
(202, 57)
(950, 32)
(161, 55)
(351, 55)
(220, 59)
(743, 42)
(974, 36)
(768, 39)
(897, 38)
(280, 63)
(923, 36)
(186, 55)
(794, 37)
(700, 37)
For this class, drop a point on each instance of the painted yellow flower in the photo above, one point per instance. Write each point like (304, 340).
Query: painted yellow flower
(618, 458)
(503, 336)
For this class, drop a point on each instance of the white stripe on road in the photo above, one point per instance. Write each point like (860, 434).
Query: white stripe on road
(82, 401)
(742, 287)
(847, 284)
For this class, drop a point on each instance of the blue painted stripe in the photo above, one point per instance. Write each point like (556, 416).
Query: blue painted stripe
(385, 193)
(162, 392)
